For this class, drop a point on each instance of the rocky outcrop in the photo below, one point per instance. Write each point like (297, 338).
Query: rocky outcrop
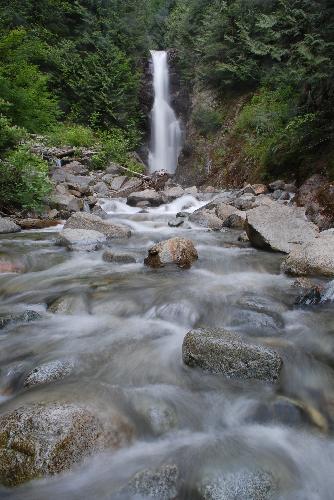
(278, 227)
(178, 251)
(8, 226)
(240, 485)
(316, 195)
(37, 440)
(95, 223)
(160, 483)
(24, 317)
(49, 372)
(81, 239)
(221, 351)
(315, 256)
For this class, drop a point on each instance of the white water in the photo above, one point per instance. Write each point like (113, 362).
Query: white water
(165, 131)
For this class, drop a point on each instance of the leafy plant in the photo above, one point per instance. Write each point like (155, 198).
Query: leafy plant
(24, 180)
(71, 135)
(10, 134)
(207, 121)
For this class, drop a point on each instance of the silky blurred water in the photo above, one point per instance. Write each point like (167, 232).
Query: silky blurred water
(127, 342)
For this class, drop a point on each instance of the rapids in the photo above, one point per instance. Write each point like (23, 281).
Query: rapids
(127, 345)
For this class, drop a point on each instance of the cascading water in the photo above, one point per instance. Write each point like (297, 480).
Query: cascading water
(166, 131)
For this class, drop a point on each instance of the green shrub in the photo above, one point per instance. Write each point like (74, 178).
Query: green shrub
(71, 135)
(10, 134)
(207, 121)
(24, 181)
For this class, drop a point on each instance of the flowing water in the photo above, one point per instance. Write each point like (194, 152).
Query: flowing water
(127, 347)
(166, 131)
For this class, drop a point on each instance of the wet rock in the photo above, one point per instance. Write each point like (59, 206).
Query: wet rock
(97, 210)
(310, 296)
(7, 266)
(206, 218)
(278, 194)
(183, 214)
(178, 251)
(95, 223)
(49, 372)
(24, 317)
(240, 485)
(257, 322)
(244, 202)
(312, 257)
(279, 228)
(172, 193)
(243, 238)
(153, 197)
(143, 204)
(157, 415)
(160, 483)
(118, 182)
(36, 223)
(121, 258)
(283, 411)
(70, 304)
(273, 186)
(37, 440)
(176, 222)
(8, 226)
(220, 351)
(81, 239)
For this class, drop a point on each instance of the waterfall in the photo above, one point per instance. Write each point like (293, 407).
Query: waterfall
(165, 127)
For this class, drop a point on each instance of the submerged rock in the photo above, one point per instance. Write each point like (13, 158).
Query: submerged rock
(8, 226)
(221, 351)
(41, 439)
(176, 222)
(70, 304)
(24, 317)
(121, 258)
(312, 257)
(158, 416)
(160, 483)
(81, 239)
(278, 227)
(95, 223)
(178, 251)
(241, 485)
(49, 372)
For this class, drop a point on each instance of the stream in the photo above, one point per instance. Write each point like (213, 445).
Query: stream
(126, 343)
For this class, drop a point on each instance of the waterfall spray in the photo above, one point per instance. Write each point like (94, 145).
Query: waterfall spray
(165, 128)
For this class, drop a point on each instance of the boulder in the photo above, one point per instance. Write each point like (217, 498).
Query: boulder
(160, 483)
(128, 187)
(23, 317)
(65, 202)
(259, 189)
(37, 440)
(158, 416)
(95, 223)
(315, 256)
(101, 189)
(48, 372)
(75, 168)
(118, 182)
(177, 222)
(80, 183)
(236, 220)
(36, 223)
(277, 227)
(8, 226)
(239, 485)
(81, 239)
(206, 218)
(172, 193)
(113, 168)
(178, 251)
(317, 195)
(120, 258)
(244, 202)
(221, 351)
(279, 184)
(153, 197)
(310, 296)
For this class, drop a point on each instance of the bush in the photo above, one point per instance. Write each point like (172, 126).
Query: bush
(207, 121)
(10, 134)
(24, 181)
(71, 135)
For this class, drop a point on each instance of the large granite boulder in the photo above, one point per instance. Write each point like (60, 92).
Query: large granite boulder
(80, 183)
(278, 227)
(66, 202)
(49, 372)
(37, 440)
(155, 198)
(315, 256)
(8, 226)
(160, 483)
(94, 222)
(221, 351)
(206, 218)
(81, 239)
(178, 251)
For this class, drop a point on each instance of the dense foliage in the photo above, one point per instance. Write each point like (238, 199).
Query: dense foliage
(281, 50)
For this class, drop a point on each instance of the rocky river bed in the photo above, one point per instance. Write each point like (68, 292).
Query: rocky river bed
(112, 373)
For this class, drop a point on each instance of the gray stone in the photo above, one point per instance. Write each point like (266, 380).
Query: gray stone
(118, 182)
(101, 188)
(206, 218)
(236, 221)
(158, 415)
(273, 186)
(37, 440)
(244, 202)
(23, 317)
(65, 202)
(315, 256)
(176, 222)
(278, 194)
(49, 372)
(172, 193)
(81, 239)
(221, 351)
(95, 223)
(153, 197)
(120, 258)
(113, 168)
(75, 168)
(8, 226)
(240, 485)
(158, 483)
(178, 251)
(80, 183)
(278, 227)
(129, 187)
